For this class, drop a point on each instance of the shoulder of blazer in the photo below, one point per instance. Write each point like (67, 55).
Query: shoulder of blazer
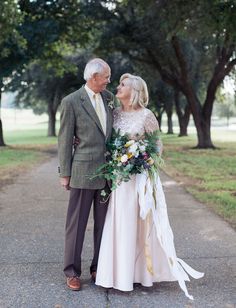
(70, 97)
(74, 96)
(108, 96)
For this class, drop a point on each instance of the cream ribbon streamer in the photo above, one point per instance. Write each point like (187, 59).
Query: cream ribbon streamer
(178, 267)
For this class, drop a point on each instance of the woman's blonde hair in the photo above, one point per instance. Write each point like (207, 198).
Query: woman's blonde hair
(139, 91)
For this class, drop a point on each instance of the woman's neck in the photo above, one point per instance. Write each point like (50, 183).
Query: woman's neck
(127, 108)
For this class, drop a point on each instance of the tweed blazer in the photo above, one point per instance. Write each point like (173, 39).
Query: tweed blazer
(79, 118)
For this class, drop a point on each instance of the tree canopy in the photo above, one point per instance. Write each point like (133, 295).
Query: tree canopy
(191, 48)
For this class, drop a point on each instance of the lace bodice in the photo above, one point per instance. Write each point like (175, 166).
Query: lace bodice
(134, 122)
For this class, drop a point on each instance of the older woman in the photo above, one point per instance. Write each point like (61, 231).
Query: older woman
(135, 247)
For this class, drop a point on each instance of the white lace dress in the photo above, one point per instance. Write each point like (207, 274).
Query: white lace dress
(137, 242)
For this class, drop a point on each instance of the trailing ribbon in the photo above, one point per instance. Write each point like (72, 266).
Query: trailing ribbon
(147, 248)
(146, 190)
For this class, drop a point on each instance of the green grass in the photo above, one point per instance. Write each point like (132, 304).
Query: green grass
(28, 137)
(16, 160)
(210, 175)
(25, 148)
(15, 156)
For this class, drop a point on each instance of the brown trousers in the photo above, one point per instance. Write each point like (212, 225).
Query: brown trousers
(77, 217)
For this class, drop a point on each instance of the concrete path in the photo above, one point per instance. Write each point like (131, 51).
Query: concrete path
(32, 217)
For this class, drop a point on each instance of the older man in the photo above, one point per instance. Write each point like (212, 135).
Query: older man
(86, 115)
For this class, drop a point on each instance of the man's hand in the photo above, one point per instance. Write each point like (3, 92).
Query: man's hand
(65, 182)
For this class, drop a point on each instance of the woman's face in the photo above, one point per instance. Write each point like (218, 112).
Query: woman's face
(124, 91)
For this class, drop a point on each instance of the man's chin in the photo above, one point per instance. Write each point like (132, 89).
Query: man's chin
(104, 87)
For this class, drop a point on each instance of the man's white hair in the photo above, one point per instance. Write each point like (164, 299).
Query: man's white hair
(94, 66)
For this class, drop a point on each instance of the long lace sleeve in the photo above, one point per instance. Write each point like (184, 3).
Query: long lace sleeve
(151, 125)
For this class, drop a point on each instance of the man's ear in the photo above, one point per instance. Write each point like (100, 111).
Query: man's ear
(95, 76)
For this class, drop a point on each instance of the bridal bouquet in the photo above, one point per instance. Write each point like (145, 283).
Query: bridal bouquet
(126, 157)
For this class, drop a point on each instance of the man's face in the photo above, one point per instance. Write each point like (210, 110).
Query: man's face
(101, 80)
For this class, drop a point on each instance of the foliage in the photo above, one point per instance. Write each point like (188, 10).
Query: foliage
(37, 85)
(126, 157)
(192, 48)
(10, 18)
(49, 30)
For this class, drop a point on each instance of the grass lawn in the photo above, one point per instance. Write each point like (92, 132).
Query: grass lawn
(210, 175)
(34, 137)
(25, 149)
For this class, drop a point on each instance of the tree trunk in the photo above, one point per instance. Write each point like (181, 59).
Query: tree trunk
(184, 121)
(2, 143)
(169, 122)
(159, 119)
(202, 120)
(183, 117)
(53, 105)
(51, 122)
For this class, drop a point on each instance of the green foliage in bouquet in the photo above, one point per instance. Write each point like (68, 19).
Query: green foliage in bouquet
(126, 156)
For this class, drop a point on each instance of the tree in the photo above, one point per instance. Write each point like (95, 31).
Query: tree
(42, 89)
(40, 30)
(183, 113)
(185, 44)
(162, 99)
(226, 102)
(11, 42)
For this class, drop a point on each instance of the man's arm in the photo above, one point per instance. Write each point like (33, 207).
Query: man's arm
(65, 142)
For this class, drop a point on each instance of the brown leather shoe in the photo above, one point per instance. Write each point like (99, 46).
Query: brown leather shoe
(93, 276)
(73, 283)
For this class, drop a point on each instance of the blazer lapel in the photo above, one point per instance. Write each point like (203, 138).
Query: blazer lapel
(87, 105)
(109, 115)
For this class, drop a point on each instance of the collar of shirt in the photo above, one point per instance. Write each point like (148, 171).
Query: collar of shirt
(91, 95)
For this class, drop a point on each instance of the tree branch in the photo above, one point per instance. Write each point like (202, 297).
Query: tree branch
(221, 70)
(180, 57)
(230, 66)
(165, 75)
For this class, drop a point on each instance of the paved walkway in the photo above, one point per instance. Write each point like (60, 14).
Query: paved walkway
(32, 216)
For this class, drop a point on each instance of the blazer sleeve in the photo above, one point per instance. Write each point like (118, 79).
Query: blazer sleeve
(65, 137)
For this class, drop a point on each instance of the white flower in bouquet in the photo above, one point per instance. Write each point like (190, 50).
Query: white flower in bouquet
(133, 149)
(124, 158)
(142, 148)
